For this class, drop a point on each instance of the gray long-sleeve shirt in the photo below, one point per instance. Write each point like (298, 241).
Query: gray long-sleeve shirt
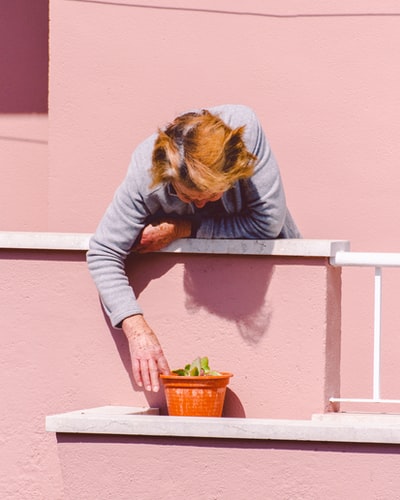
(254, 208)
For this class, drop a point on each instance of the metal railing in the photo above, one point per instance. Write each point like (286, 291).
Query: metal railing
(378, 261)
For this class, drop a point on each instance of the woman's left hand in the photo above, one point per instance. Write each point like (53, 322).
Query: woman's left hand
(159, 235)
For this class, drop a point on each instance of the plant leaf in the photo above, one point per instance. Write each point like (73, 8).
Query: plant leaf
(204, 364)
(180, 372)
(199, 366)
(196, 363)
(194, 372)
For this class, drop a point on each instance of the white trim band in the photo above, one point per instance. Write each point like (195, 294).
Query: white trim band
(281, 247)
(44, 241)
(330, 427)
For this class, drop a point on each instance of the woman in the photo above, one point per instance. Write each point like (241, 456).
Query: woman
(209, 174)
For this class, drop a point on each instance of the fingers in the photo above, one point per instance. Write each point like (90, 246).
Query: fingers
(137, 373)
(163, 366)
(154, 380)
(146, 372)
(145, 367)
(147, 248)
(147, 356)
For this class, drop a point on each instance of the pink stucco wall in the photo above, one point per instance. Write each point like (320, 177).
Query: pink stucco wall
(59, 354)
(218, 470)
(321, 77)
(120, 69)
(23, 115)
(324, 80)
(220, 306)
(24, 172)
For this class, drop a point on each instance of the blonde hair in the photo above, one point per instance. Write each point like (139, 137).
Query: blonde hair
(200, 151)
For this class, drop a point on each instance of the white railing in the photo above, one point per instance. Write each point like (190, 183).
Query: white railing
(376, 260)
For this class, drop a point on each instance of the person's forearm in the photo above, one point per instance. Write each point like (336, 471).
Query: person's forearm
(147, 356)
(108, 272)
(161, 233)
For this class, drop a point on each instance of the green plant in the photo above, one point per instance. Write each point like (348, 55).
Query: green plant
(198, 367)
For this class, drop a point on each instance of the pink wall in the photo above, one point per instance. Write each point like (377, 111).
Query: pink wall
(322, 78)
(324, 81)
(24, 31)
(219, 306)
(211, 469)
(24, 172)
(59, 354)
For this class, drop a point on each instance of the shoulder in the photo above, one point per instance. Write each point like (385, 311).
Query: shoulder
(138, 175)
(144, 150)
(239, 115)
(235, 115)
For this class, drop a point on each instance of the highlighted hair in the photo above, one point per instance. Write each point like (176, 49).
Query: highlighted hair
(200, 151)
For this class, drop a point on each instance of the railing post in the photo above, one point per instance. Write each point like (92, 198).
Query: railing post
(377, 333)
(378, 261)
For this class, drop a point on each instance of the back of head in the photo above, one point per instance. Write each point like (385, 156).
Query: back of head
(200, 151)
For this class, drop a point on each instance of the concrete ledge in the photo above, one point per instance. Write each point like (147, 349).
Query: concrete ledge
(335, 427)
(281, 247)
(44, 241)
(80, 241)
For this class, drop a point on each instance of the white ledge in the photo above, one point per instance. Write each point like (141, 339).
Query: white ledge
(282, 247)
(44, 241)
(334, 427)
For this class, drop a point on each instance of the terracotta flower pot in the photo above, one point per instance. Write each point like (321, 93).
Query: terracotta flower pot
(201, 396)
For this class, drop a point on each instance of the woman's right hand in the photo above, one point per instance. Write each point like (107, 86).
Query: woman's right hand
(147, 356)
(156, 236)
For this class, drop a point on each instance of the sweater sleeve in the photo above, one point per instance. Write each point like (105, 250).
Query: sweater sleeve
(111, 244)
(260, 203)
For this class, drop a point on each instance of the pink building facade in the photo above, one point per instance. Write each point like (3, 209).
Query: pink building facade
(324, 81)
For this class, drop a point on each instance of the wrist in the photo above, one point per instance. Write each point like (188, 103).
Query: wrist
(132, 325)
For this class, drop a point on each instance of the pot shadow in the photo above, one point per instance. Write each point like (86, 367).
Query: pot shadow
(233, 408)
(231, 291)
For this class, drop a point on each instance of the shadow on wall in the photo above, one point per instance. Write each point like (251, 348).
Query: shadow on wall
(231, 291)
(234, 291)
(24, 56)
